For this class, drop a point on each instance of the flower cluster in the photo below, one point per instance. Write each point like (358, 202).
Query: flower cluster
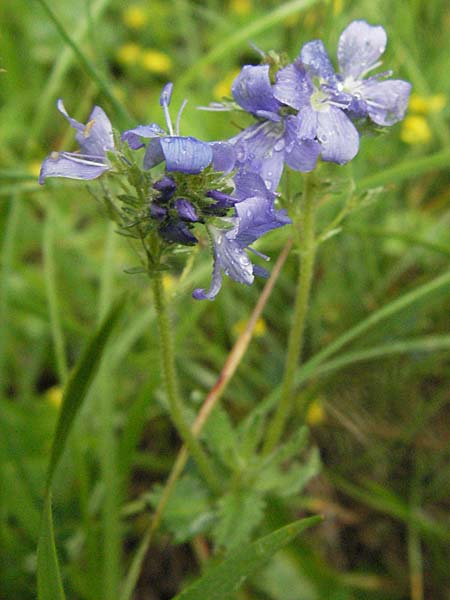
(303, 111)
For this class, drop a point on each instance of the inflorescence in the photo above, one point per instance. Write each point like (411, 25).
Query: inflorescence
(304, 111)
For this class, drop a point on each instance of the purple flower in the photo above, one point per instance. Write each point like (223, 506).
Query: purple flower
(181, 153)
(384, 101)
(263, 148)
(255, 215)
(95, 139)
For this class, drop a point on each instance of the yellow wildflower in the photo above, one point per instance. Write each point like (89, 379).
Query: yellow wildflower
(241, 7)
(34, 167)
(415, 130)
(135, 16)
(259, 330)
(54, 396)
(427, 104)
(338, 6)
(223, 88)
(129, 54)
(315, 414)
(156, 61)
(169, 283)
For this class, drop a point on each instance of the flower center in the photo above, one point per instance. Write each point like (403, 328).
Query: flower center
(319, 101)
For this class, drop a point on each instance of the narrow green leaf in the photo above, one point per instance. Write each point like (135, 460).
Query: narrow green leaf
(226, 578)
(78, 385)
(49, 578)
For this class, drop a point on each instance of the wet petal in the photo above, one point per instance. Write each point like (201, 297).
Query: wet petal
(253, 91)
(61, 164)
(250, 184)
(316, 61)
(386, 101)
(134, 136)
(301, 154)
(293, 86)
(337, 135)
(224, 157)
(257, 216)
(360, 46)
(260, 149)
(186, 154)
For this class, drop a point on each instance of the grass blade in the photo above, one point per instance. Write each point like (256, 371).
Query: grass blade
(226, 578)
(49, 578)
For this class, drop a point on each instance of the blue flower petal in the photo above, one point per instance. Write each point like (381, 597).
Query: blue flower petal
(253, 91)
(154, 154)
(96, 136)
(301, 154)
(316, 61)
(260, 149)
(186, 210)
(186, 154)
(177, 232)
(257, 216)
(386, 101)
(337, 135)
(360, 46)
(224, 157)
(73, 166)
(134, 136)
(293, 86)
(250, 184)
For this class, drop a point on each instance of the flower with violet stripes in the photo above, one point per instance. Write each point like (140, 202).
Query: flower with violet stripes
(183, 154)
(327, 101)
(95, 140)
(254, 215)
(264, 147)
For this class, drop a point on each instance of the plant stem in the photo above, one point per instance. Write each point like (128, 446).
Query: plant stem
(307, 253)
(170, 379)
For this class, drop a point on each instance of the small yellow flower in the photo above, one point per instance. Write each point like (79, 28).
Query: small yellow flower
(241, 7)
(135, 16)
(315, 414)
(169, 283)
(34, 167)
(129, 54)
(156, 61)
(415, 130)
(223, 88)
(54, 396)
(338, 6)
(427, 104)
(259, 330)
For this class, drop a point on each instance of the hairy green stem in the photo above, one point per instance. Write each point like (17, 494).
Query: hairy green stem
(307, 253)
(173, 398)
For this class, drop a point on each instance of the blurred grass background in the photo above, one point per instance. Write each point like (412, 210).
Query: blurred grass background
(379, 418)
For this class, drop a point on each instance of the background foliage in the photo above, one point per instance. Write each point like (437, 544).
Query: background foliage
(377, 408)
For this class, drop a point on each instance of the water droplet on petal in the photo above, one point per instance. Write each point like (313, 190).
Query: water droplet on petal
(249, 213)
(268, 183)
(279, 145)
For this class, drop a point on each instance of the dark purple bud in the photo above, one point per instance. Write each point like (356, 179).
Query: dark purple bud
(177, 232)
(185, 210)
(157, 212)
(167, 186)
(222, 200)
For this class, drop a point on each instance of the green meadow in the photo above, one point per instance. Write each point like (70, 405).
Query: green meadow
(86, 442)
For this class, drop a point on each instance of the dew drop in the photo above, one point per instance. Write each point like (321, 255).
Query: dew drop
(249, 213)
(279, 145)
(268, 183)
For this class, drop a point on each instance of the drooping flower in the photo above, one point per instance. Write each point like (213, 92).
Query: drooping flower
(95, 140)
(183, 154)
(255, 215)
(263, 148)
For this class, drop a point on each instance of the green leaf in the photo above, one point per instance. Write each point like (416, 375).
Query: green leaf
(79, 384)
(49, 578)
(48, 574)
(226, 578)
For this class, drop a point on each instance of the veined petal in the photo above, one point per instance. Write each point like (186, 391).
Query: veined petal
(186, 154)
(301, 154)
(253, 91)
(260, 149)
(293, 86)
(134, 136)
(387, 100)
(97, 136)
(337, 135)
(359, 48)
(60, 164)
(257, 216)
(316, 61)
(249, 184)
(224, 156)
